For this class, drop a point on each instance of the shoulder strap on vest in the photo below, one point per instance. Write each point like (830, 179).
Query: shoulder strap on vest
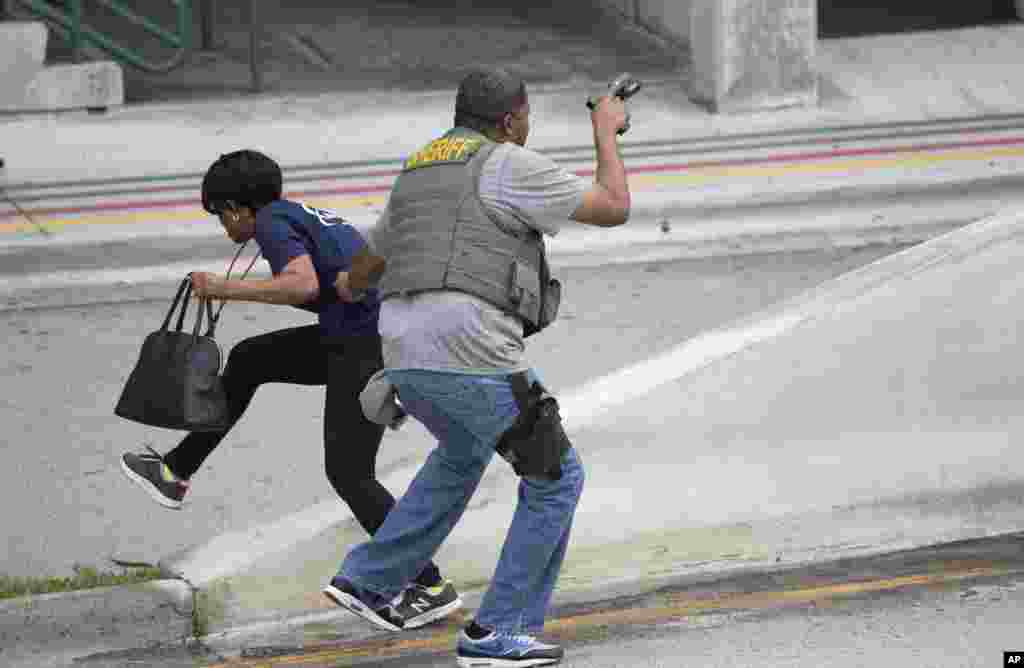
(477, 170)
(530, 236)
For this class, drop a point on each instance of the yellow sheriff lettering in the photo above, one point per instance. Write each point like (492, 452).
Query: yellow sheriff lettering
(446, 149)
(438, 148)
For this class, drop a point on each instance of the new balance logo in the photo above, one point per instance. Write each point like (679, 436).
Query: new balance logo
(420, 605)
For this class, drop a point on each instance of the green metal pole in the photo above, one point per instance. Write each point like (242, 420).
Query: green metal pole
(185, 24)
(152, 27)
(70, 25)
(76, 30)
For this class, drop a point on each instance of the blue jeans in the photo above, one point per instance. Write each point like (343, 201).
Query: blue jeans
(467, 414)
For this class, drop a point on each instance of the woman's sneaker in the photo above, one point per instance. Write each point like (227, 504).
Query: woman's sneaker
(345, 594)
(148, 471)
(500, 650)
(419, 605)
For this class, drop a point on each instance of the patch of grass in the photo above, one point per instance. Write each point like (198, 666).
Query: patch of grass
(85, 577)
(210, 607)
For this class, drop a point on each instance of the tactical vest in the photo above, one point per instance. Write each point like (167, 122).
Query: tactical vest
(441, 237)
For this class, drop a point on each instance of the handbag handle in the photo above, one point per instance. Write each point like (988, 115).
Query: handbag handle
(186, 285)
(203, 304)
(183, 298)
(185, 290)
(184, 306)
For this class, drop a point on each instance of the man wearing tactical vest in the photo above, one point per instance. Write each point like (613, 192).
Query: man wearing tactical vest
(458, 261)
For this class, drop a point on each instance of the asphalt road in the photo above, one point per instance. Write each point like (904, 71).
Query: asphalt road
(66, 364)
(964, 624)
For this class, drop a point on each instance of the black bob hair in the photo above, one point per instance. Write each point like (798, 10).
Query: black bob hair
(243, 178)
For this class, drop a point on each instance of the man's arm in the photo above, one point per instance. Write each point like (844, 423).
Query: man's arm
(366, 270)
(607, 203)
(368, 263)
(297, 284)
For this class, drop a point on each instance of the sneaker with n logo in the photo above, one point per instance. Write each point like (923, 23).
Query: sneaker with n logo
(419, 605)
(381, 614)
(148, 471)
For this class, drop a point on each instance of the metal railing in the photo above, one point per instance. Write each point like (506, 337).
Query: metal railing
(69, 24)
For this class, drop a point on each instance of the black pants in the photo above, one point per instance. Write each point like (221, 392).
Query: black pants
(302, 356)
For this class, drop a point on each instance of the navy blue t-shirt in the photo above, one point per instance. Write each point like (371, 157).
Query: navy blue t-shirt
(286, 230)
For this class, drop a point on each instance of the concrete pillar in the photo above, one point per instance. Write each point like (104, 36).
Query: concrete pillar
(754, 54)
(668, 18)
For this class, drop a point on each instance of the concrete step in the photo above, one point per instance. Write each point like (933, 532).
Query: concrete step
(94, 85)
(28, 85)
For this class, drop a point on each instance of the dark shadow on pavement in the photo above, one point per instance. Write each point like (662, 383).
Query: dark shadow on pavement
(852, 18)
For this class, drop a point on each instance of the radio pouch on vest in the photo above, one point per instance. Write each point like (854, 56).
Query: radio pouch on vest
(550, 298)
(536, 443)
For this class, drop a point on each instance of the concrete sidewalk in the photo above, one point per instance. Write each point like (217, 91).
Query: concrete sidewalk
(887, 78)
(131, 177)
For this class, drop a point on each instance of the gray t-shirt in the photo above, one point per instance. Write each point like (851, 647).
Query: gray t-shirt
(455, 331)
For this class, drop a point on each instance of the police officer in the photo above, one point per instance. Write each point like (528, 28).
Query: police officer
(459, 256)
(305, 247)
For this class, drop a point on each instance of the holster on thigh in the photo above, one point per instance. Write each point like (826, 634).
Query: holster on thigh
(535, 444)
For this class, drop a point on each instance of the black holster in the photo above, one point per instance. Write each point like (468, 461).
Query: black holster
(536, 443)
